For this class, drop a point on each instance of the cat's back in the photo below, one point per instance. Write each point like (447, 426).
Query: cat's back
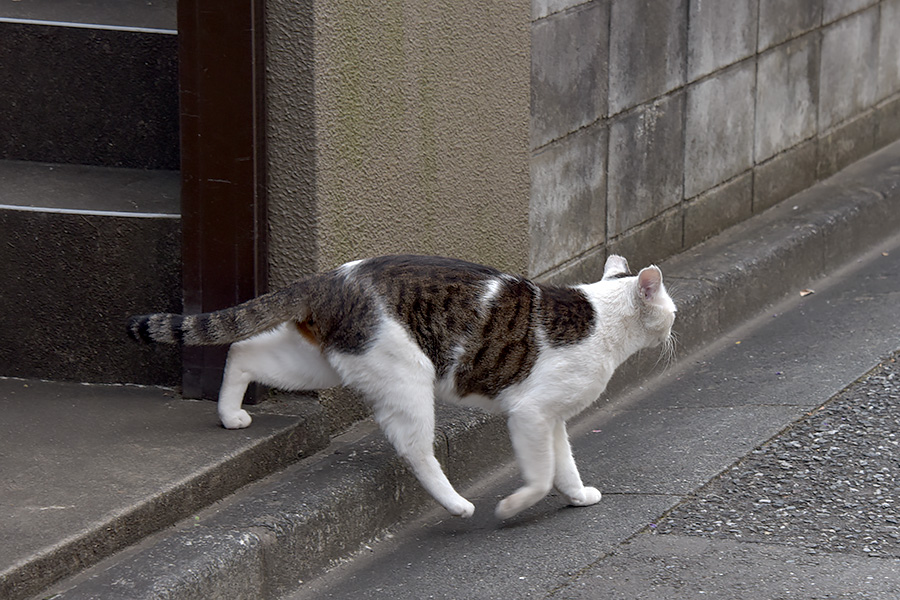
(422, 284)
(480, 319)
(411, 270)
(436, 299)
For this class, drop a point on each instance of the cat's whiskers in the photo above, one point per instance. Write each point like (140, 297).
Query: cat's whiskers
(667, 351)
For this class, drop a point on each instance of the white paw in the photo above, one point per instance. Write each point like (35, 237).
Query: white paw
(587, 496)
(236, 420)
(508, 507)
(462, 508)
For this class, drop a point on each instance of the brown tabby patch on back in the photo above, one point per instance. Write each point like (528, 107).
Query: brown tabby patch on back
(566, 314)
(436, 298)
(504, 349)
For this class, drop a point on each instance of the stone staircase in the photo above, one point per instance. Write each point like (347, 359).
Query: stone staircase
(89, 187)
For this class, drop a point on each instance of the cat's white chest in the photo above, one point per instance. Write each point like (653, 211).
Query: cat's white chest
(563, 382)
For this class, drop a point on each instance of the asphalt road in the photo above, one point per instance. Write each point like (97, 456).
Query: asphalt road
(749, 470)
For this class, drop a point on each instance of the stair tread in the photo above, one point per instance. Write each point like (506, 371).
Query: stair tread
(145, 14)
(140, 448)
(63, 187)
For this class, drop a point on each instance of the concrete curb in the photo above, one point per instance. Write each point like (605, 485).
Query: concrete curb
(270, 536)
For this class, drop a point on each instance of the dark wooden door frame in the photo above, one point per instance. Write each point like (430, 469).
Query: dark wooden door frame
(223, 167)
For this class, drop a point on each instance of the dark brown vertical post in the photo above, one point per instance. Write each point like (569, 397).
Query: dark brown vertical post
(221, 77)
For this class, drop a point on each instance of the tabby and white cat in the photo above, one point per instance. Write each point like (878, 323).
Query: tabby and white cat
(404, 330)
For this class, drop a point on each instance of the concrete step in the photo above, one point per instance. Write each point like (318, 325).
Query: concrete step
(136, 14)
(90, 469)
(92, 82)
(262, 541)
(84, 248)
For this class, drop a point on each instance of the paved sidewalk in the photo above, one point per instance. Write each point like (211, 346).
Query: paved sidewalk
(813, 513)
(730, 476)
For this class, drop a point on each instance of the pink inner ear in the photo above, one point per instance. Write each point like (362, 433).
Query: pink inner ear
(649, 279)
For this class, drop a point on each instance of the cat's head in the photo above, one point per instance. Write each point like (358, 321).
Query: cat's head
(647, 296)
(656, 309)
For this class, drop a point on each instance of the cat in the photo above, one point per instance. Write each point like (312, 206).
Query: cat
(404, 330)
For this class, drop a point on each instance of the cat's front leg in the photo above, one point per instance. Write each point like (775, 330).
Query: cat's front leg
(566, 479)
(532, 441)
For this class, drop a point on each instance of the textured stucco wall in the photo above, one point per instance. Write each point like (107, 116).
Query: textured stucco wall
(291, 141)
(398, 126)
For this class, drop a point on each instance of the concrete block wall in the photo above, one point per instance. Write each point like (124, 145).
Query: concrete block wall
(657, 123)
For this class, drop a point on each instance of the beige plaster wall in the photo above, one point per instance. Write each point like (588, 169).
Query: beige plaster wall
(398, 126)
(291, 142)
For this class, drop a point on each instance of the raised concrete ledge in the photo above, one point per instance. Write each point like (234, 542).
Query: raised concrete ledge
(264, 540)
(734, 275)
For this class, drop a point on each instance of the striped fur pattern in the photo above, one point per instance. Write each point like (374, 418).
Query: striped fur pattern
(224, 326)
(405, 330)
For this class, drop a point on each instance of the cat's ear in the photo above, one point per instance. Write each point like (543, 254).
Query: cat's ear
(616, 266)
(649, 283)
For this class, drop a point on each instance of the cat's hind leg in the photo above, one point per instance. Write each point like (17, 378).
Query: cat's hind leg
(532, 440)
(399, 380)
(280, 358)
(566, 478)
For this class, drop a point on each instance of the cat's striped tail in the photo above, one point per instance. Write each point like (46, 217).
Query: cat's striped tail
(223, 326)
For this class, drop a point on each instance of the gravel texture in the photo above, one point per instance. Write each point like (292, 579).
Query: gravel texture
(828, 483)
